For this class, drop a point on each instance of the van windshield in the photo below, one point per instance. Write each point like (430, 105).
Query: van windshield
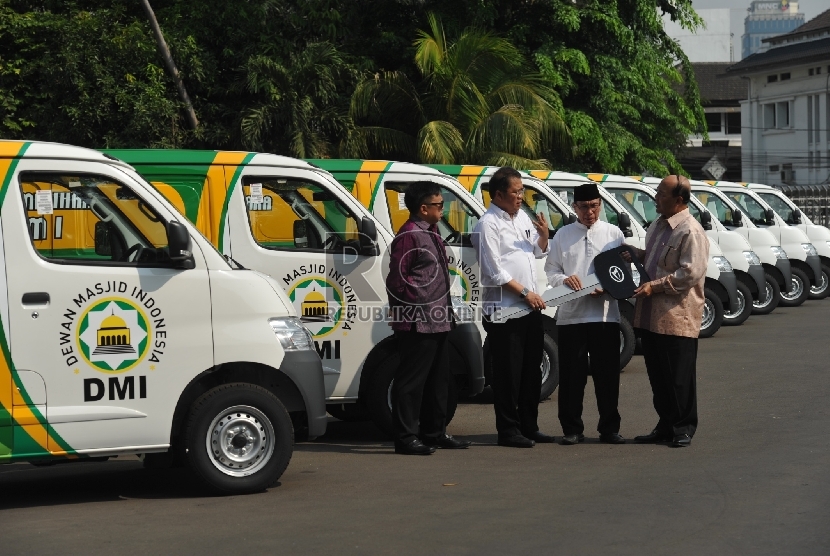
(607, 214)
(780, 206)
(750, 207)
(716, 206)
(640, 205)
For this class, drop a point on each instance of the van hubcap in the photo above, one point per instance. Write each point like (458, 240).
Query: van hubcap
(820, 289)
(240, 441)
(796, 289)
(763, 302)
(708, 315)
(739, 310)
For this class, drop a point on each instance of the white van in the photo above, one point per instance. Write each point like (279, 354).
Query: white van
(788, 213)
(804, 260)
(125, 332)
(293, 221)
(720, 289)
(745, 264)
(383, 193)
(539, 198)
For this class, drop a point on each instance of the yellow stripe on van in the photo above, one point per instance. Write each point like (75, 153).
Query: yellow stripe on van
(171, 195)
(366, 181)
(599, 178)
(540, 174)
(470, 177)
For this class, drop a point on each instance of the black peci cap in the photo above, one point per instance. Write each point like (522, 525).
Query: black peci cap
(586, 192)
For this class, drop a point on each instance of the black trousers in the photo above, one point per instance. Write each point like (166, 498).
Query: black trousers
(516, 350)
(600, 340)
(419, 393)
(671, 362)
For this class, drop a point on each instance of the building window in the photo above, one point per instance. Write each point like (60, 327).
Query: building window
(782, 115)
(772, 78)
(809, 119)
(810, 71)
(818, 70)
(769, 116)
(713, 122)
(733, 123)
(785, 76)
(773, 168)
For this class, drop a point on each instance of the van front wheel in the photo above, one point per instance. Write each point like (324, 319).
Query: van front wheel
(239, 438)
(712, 314)
(799, 289)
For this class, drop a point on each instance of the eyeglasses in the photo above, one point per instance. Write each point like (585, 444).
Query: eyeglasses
(439, 204)
(517, 193)
(592, 206)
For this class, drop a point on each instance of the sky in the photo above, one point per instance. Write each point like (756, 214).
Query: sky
(810, 9)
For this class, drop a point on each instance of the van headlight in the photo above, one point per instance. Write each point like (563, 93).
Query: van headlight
(778, 252)
(722, 263)
(291, 333)
(751, 257)
(810, 249)
(463, 312)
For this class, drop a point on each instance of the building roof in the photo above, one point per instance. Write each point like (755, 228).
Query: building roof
(715, 87)
(783, 57)
(820, 22)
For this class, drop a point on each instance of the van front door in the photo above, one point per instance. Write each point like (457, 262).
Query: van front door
(99, 315)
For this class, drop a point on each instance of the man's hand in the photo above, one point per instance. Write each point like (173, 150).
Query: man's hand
(597, 292)
(573, 282)
(643, 291)
(626, 256)
(542, 229)
(535, 301)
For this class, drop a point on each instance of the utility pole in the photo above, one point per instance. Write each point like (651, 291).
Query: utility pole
(161, 44)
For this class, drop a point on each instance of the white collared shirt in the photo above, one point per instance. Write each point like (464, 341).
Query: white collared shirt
(506, 248)
(572, 251)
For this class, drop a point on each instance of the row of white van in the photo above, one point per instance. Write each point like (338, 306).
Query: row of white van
(132, 325)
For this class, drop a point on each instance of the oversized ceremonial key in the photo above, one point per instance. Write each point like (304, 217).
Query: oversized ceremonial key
(611, 273)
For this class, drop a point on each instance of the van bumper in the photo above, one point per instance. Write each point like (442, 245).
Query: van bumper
(756, 272)
(815, 263)
(305, 369)
(466, 341)
(729, 281)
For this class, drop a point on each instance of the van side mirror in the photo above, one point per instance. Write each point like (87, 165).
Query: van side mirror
(103, 240)
(300, 234)
(737, 217)
(368, 237)
(624, 223)
(769, 216)
(705, 220)
(796, 216)
(571, 218)
(179, 244)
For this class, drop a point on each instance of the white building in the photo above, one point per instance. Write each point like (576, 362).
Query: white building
(786, 117)
(712, 43)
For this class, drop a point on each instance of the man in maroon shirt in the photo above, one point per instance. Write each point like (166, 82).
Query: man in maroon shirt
(418, 286)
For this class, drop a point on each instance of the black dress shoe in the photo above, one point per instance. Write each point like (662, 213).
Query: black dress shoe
(516, 441)
(447, 442)
(681, 441)
(413, 448)
(540, 437)
(654, 437)
(613, 438)
(571, 439)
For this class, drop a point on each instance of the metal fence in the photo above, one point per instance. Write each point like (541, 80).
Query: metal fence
(813, 200)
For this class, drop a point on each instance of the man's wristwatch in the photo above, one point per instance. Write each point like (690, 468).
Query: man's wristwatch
(524, 293)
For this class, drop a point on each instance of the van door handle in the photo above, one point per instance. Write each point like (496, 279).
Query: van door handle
(35, 299)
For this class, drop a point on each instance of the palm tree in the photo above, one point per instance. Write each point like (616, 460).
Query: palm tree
(298, 108)
(478, 102)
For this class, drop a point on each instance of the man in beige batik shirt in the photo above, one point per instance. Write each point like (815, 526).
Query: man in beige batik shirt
(669, 310)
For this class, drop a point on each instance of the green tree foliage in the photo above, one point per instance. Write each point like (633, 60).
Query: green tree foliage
(477, 101)
(281, 75)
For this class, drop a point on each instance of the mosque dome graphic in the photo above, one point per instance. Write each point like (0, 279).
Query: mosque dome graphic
(314, 307)
(113, 335)
(319, 304)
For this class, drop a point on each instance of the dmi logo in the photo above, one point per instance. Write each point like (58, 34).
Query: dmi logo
(113, 335)
(616, 273)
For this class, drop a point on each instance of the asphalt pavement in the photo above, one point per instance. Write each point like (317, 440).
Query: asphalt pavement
(756, 479)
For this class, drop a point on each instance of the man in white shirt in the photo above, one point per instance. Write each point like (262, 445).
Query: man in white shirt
(507, 242)
(589, 325)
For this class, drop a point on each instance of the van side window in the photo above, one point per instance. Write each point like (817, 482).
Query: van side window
(716, 206)
(538, 203)
(456, 224)
(297, 214)
(91, 219)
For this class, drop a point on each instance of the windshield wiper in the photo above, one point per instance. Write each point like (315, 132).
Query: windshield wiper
(233, 262)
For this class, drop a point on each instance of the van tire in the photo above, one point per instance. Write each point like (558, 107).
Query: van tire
(744, 307)
(379, 399)
(257, 417)
(799, 289)
(550, 376)
(768, 304)
(628, 342)
(822, 290)
(712, 314)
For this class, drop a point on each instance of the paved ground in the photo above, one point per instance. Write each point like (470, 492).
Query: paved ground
(755, 480)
